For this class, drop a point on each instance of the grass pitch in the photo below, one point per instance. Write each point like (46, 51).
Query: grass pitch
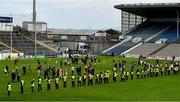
(147, 89)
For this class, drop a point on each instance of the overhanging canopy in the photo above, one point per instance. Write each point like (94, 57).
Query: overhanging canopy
(158, 10)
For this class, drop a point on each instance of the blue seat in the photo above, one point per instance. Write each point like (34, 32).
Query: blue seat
(147, 30)
(170, 35)
(121, 48)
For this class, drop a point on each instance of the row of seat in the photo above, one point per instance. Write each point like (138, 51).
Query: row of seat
(170, 35)
(148, 29)
(121, 48)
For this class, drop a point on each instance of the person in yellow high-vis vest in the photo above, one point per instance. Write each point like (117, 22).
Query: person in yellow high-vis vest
(9, 89)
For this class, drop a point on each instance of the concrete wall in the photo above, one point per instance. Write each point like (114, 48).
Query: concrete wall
(70, 45)
(4, 27)
(95, 47)
(98, 47)
(40, 27)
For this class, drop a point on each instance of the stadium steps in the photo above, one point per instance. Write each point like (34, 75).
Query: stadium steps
(134, 47)
(171, 50)
(7, 46)
(42, 44)
(153, 53)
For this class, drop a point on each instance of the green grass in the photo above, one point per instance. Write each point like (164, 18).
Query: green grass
(147, 89)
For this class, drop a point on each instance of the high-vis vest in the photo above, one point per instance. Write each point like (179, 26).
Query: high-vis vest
(39, 81)
(102, 76)
(32, 83)
(97, 76)
(22, 82)
(73, 78)
(9, 88)
(84, 77)
(115, 74)
(65, 78)
(48, 81)
(107, 75)
(80, 78)
(56, 80)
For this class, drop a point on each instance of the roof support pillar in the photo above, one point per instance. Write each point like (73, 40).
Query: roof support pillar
(129, 21)
(177, 11)
(34, 28)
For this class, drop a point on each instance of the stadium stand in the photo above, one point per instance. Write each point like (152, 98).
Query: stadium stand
(170, 51)
(145, 49)
(2, 47)
(145, 31)
(40, 37)
(24, 45)
(154, 25)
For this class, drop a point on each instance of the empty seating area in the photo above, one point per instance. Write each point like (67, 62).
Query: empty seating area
(148, 29)
(2, 47)
(121, 48)
(39, 36)
(24, 45)
(143, 32)
(170, 35)
(146, 49)
(169, 51)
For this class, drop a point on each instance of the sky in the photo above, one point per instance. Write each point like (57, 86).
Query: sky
(74, 14)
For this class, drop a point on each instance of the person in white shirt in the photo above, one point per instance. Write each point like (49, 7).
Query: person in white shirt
(90, 82)
(65, 81)
(56, 82)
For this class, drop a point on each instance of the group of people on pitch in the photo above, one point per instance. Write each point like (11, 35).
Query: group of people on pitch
(143, 69)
